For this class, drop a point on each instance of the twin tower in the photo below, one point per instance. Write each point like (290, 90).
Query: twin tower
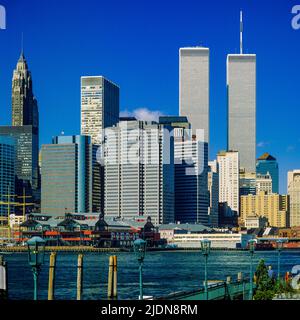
(241, 98)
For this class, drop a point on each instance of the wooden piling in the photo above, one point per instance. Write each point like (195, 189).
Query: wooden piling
(228, 280)
(52, 266)
(110, 277)
(115, 278)
(79, 276)
(240, 277)
(3, 279)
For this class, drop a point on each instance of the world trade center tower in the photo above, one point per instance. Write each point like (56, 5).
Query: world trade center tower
(241, 90)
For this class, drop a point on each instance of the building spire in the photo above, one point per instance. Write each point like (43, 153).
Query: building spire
(241, 32)
(22, 57)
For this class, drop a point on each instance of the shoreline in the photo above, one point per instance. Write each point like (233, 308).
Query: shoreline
(82, 249)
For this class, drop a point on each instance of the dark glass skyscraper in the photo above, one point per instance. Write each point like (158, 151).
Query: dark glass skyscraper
(267, 163)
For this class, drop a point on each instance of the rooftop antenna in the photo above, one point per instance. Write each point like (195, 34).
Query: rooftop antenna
(22, 43)
(241, 32)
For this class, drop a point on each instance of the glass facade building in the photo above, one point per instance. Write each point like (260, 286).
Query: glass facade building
(191, 172)
(268, 164)
(66, 175)
(26, 167)
(7, 173)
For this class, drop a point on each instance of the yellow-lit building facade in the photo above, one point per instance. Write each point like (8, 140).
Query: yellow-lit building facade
(274, 207)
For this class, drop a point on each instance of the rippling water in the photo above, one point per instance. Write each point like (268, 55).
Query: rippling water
(164, 272)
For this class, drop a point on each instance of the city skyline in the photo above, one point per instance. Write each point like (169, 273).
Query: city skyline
(138, 92)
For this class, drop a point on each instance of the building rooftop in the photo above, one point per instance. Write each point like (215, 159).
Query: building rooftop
(266, 156)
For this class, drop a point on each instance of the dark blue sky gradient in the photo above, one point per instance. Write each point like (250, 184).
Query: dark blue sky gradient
(135, 44)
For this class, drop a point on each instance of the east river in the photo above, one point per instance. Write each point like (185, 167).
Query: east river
(164, 272)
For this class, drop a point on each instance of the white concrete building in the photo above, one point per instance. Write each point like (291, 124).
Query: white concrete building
(228, 162)
(293, 187)
(194, 87)
(139, 171)
(264, 183)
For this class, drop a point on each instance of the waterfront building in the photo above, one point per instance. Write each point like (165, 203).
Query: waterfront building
(191, 235)
(191, 169)
(7, 174)
(66, 175)
(241, 89)
(264, 183)
(272, 206)
(26, 161)
(139, 171)
(255, 222)
(267, 164)
(194, 87)
(228, 163)
(293, 187)
(99, 106)
(213, 191)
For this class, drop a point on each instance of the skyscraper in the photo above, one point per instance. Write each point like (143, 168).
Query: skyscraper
(99, 106)
(268, 164)
(194, 87)
(66, 175)
(7, 173)
(139, 171)
(26, 167)
(191, 166)
(24, 104)
(228, 163)
(241, 89)
(213, 190)
(293, 186)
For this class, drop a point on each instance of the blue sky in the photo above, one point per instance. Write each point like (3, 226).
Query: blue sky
(136, 43)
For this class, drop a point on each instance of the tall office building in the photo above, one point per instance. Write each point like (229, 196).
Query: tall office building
(191, 166)
(267, 164)
(24, 105)
(213, 191)
(139, 171)
(7, 173)
(27, 167)
(293, 187)
(194, 87)
(66, 175)
(99, 106)
(99, 110)
(241, 89)
(228, 163)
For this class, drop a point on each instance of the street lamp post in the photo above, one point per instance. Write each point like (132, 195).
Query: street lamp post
(205, 248)
(252, 244)
(279, 249)
(139, 246)
(36, 252)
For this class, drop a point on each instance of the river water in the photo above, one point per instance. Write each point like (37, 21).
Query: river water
(164, 272)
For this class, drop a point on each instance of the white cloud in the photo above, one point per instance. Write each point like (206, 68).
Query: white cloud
(262, 144)
(142, 114)
(290, 148)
